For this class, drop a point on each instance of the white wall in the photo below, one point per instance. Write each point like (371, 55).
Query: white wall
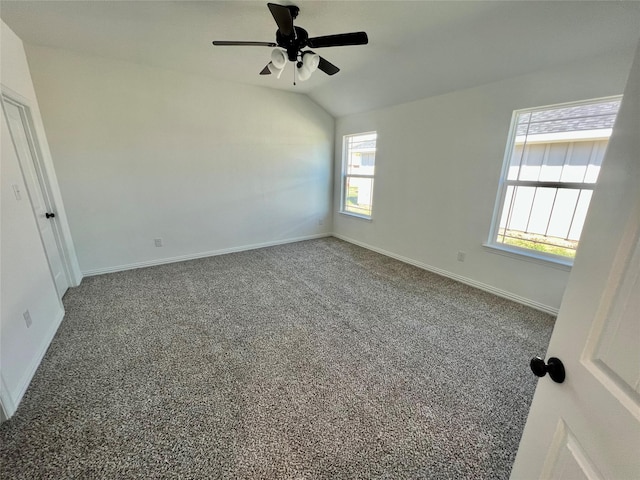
(208, 166)
(451, 147)
(25, 279)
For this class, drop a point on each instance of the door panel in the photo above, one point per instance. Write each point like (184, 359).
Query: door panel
(567, 458)
(619, 340)
(20, 134)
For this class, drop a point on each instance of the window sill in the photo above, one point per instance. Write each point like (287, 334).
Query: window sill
(530, 256)
(361, 217)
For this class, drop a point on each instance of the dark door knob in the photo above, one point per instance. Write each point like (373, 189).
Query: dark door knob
(50, 215)
(553, 367)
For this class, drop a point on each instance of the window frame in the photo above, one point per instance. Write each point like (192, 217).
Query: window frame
(344, 176)
(559, 261)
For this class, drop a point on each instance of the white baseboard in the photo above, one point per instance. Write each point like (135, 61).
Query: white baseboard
(468, 281)
(194, 256)
(11, 400)
(6, 402)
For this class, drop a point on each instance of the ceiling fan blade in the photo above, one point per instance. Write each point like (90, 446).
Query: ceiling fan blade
(339, 40)
(265, 70)
(282, 16)
(327, 67)
(250, 44)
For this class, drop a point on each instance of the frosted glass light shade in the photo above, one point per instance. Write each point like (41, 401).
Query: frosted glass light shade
(304, 73)
(275, 70)
(311, 61)
(278, 58)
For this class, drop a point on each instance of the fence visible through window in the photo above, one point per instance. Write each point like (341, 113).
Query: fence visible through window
(553, 168)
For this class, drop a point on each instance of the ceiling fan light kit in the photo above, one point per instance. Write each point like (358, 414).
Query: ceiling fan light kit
(303, 74)
(271, 68)
(308, 65)
(291, 42)
(277, 63)
(278, 58)
(311, 60)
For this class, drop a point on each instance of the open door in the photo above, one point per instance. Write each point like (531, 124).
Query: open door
(588, 426)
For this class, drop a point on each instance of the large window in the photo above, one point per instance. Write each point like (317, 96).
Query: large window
(551, 167)
(358, 168)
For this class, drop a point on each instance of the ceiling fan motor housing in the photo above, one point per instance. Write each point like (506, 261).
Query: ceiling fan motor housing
(294, 42)
(294, 11)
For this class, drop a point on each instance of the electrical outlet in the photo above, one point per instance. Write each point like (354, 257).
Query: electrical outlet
(158, 242)
(321, 221)
(461, 256)
(27, 318)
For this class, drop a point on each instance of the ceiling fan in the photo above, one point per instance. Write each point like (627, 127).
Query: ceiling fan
(291, 42)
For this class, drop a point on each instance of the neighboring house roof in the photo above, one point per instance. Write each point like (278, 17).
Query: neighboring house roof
(365, 145)
(582, 117)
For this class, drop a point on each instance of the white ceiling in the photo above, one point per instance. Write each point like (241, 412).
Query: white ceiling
(416, 48)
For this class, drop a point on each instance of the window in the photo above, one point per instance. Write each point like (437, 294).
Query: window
(358, 164)
(551, 167)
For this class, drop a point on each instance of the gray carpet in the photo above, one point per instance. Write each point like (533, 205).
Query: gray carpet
(313, 360)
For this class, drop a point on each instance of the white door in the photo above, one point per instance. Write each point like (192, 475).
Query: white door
(588, 427)
(23, 141)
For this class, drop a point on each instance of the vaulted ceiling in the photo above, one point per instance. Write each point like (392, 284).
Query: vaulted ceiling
(416, 48)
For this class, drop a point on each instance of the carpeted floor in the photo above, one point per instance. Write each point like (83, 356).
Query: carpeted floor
(312, 360)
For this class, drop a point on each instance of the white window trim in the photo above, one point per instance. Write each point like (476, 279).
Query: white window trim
(528, 255)
(343, 177)
(359, 217)
(511, 250)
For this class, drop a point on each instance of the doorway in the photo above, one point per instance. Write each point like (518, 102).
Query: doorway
(18, 118)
